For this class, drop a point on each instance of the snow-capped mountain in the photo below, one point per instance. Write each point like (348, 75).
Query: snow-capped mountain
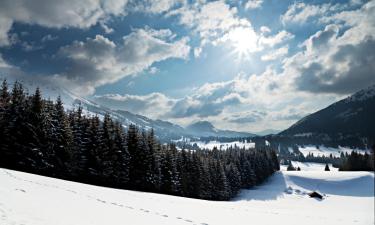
(165, 130)
(352, 116)
(267, 132)
(205, 129)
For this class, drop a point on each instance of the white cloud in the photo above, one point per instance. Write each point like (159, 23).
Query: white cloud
(210, 20)
(265, 29)
(153, 105)
(56, 13)
(278, 38)
(217, 23)
(197, 52)
(334, 61)
(99, 61)
(300, 12)
(253, 4)
(153, 70)
(152, 6)
(273, 55)
(48, 37)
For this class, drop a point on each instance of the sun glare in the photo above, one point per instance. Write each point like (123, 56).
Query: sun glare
(244, 40)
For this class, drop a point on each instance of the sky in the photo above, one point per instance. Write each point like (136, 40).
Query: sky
(247, 65)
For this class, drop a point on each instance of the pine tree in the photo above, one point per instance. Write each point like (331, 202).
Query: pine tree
(4, 94)
(121, 163)
(234, 178)
(61, 138)
(39, 136)
(326, 168)
(5, 151)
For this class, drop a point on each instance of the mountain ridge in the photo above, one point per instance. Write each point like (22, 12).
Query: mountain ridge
(351, 116)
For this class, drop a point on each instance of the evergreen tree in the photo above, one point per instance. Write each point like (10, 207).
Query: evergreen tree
(61, 138)
(39, 136)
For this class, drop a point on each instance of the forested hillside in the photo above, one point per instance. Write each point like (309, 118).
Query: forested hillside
(39, 136)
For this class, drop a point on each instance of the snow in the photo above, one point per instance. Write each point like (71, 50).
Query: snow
(223, 145)
(309, 166)
(37, 200)
(326, 151)
(362, 95)
(304, 134)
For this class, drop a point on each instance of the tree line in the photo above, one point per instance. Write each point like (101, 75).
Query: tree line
(358, 162)
(39, 136)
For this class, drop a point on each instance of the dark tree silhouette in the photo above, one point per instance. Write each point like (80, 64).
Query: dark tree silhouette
(39, 136)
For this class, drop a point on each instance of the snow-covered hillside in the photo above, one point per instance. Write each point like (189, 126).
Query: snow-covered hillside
(222, 145)
(37, 200)
(309, 166)
(327, 151)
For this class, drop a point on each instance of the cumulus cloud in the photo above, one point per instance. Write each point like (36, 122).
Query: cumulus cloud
(246, 117)
(210, 20)
(218, 23)
(276, 39)
(300, 13)
(56, 14)
(153, 105)
(253, 4)
(97, 61)
(273, 55)
(334, 61)
(210, 100)
(265, 29)
(152, 6)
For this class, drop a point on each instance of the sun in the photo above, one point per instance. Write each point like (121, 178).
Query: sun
(244, 41)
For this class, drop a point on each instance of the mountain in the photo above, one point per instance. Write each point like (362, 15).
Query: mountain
(164, 130)
(353, 116)
(267, 132)
(206, 129)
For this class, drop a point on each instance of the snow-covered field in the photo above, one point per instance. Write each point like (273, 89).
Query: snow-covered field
(223, 145)
(309, 166)
(30, 199)
(326, 151)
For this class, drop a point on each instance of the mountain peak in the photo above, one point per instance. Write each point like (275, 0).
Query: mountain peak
(362, 95)
(205, 128)
(201, 126)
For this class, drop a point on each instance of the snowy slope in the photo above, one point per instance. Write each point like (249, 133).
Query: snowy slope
(222, 145)
(309, 166)
(37, 200)
(327, 151)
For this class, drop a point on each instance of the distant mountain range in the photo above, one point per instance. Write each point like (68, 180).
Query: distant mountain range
(267, 132)
(353, 116)
(205, 129)
(165, 130)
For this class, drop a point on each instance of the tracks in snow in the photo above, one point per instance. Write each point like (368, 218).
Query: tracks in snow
(96, 199)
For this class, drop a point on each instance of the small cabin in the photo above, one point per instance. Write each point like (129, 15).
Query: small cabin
(315, 195)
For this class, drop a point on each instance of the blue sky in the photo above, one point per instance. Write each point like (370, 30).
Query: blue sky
(245, 65)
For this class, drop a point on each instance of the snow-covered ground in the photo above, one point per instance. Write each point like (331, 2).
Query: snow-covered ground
(326, 151)
(37, 200)
(309, 166)
(223, 145)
